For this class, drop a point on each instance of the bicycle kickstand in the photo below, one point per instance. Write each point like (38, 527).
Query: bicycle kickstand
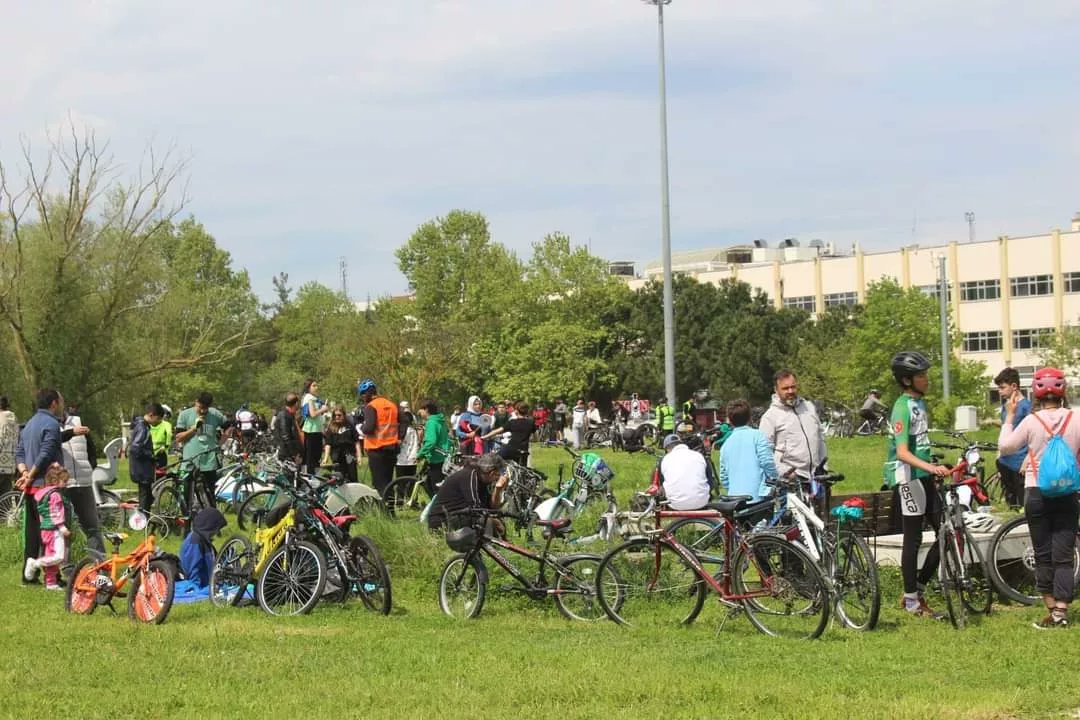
(732, 611)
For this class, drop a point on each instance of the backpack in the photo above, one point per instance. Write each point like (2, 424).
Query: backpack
(1056, 472)
(304, 412)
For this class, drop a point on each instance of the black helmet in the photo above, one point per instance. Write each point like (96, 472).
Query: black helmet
(462, 539)
(908, 364)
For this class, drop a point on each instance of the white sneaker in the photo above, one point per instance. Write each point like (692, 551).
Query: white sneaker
(31, 569)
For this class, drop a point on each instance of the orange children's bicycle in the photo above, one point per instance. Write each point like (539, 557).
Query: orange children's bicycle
(151, 577)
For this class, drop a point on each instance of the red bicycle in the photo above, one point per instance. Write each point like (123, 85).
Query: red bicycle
(656, 580)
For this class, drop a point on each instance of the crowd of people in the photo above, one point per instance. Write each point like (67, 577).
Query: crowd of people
(52, 458)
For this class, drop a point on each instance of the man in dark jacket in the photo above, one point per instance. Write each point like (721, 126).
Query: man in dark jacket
(288, 434)
(39, 447)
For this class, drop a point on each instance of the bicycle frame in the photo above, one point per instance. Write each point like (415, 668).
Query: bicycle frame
(138, 559)
(267, 540)
(491, 546)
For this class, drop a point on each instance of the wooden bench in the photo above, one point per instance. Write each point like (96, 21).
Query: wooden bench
(879, 517)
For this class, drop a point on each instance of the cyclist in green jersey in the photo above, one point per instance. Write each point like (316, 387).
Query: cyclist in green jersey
(910, 470)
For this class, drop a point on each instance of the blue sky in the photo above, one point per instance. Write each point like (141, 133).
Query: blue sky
(323, 129)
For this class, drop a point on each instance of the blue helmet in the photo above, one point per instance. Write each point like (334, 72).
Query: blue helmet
(365, 386)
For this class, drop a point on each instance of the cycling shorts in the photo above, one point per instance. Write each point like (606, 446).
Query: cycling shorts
(917, 496)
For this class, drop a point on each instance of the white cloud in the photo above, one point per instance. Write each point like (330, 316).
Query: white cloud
(330, 128)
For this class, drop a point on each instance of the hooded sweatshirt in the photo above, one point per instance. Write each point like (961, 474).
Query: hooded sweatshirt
(436, 445)
(796, 435)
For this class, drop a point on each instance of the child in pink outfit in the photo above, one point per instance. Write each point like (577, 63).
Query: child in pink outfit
(54, 532)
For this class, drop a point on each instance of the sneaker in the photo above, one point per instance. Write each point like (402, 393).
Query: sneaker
(1052, 620)
(924, 610)
(30, 571)
(53, 586)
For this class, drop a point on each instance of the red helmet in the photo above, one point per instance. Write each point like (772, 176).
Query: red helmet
(1048, 381)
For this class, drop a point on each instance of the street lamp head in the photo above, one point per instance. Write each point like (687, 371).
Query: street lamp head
(656, 2)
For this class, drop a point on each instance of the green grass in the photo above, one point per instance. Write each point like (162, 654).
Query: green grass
(520, 657)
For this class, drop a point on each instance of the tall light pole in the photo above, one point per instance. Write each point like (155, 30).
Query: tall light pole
(665, 220)
(970, 217)
(943, 319)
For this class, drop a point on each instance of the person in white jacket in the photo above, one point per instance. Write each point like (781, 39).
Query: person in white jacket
(792, 425)
(79, 460)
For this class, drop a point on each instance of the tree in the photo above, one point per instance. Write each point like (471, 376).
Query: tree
(88, 297)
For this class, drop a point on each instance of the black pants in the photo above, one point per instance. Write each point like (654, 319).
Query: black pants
(913, 530)
(85, 507)
(1012, 483)
(313, 447)
(433, 478)
(146, 495)
(382, 463)
(31, 529)
(347, 470)
(1052, 523)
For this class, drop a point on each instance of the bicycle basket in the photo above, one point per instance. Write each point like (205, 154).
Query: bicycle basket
(462, 539)
(591, 470)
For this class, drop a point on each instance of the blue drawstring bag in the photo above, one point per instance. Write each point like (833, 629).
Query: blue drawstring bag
(1056, 472)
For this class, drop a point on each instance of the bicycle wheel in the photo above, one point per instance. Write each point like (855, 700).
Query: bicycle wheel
(232, 572)
(856, 588)
(11, 509)
(790, 596)
(293, 579)
(151, 595)
(82, 591)
(462, 587)
(373, 577)
(1012, 562)
(950, 574)
(168, 506)
(157, 526)
(398, 499)
(977, 589)
(704, 537)
(647, 583)
(575, 585)
(255, 506)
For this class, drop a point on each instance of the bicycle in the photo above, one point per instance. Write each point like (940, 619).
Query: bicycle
(152, 579)
(1011, 557)
(408, 493)
(288, 572)
(656, 578)
(463, 581)
(108, 503)
(843, 556)
(336, 494)
(965, 591)
(590, 479)
(878, 426)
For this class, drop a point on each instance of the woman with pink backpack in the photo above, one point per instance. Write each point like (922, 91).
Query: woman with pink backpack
(1052, 437)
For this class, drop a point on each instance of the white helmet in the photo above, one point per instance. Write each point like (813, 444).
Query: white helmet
(980, 522)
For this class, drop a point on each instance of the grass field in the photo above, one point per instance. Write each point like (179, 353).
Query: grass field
(519, 658)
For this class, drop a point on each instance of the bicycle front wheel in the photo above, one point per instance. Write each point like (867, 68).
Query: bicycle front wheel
(110, 514)
(151, 595)
(977, 589)
(398, 496)
(462, 587)
(167, 506)
(857, 590)
(293, 579)
(647, 583)
(232, 572)
(950, 574)
(789, 595)
(575, 588)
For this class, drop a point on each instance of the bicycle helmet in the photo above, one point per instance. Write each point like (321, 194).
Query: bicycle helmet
(1048, 381)
(980, 522)
(908, 364)
(365, 386)
(168, 411)
(462, 539)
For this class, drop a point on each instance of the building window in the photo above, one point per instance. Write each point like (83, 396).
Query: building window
(1030, 339)
(1031, 285)
(987, 341)
(803, 302)
(976, 290)
(1072, 282)
(844, 298)
(932, 291)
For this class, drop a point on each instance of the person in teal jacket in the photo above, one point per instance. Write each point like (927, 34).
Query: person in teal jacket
(746, 458)
(436, 446)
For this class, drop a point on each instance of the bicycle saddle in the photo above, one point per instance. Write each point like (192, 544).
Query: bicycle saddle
(728, 504)
(556, 524)
(115, 538)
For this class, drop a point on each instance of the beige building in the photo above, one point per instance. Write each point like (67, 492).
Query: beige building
(1005, 294)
